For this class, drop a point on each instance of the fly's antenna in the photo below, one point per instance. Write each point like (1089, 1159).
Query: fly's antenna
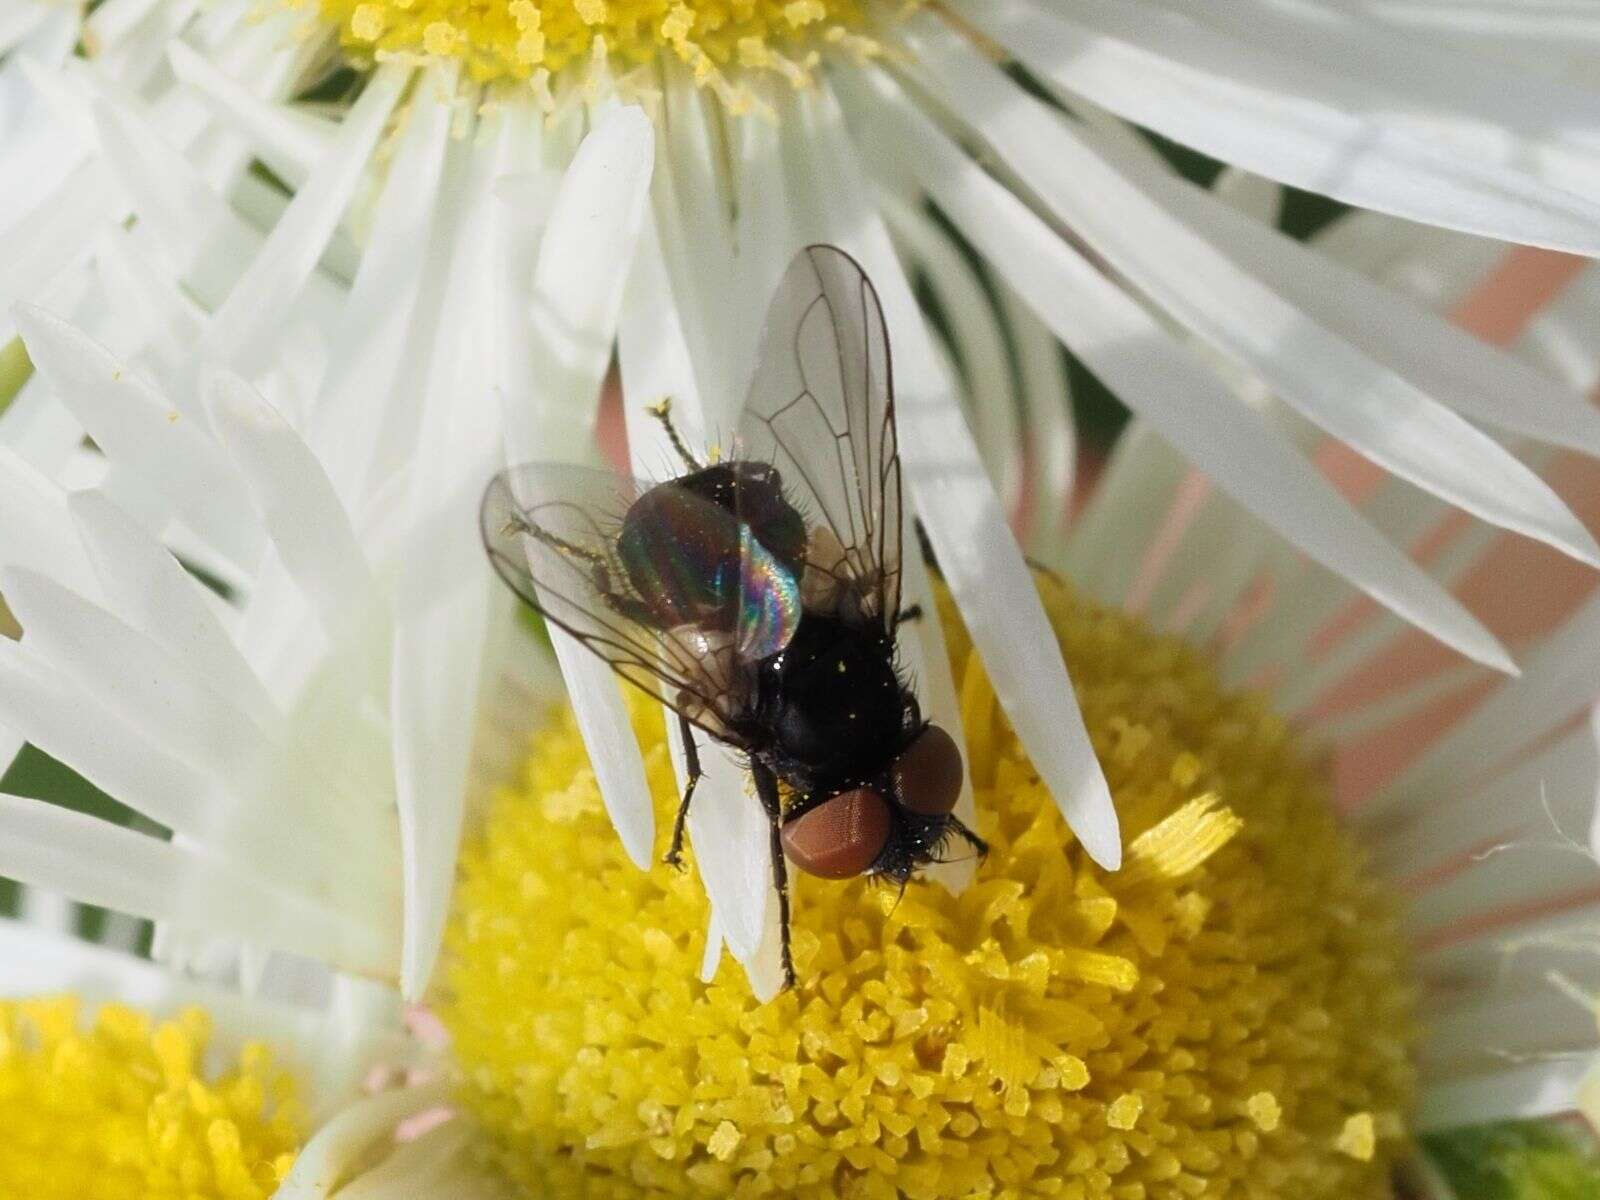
(663, 413)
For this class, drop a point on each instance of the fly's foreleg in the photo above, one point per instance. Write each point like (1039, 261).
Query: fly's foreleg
(980, 846)
(767, 790)
(691, 756)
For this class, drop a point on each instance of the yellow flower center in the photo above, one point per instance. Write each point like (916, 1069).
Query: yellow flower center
(1226, 1016)
(125, 1109)
(499, 40)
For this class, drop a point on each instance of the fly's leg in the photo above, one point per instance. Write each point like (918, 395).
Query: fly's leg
(912, 612)
(663, 413)
(619, 602)
(691, 757)
(767, 790)
(977, 843)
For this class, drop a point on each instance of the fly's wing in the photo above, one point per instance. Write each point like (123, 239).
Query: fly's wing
(551, 532)
(821, 410)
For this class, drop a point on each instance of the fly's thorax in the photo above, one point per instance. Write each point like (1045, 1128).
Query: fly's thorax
(832, 700)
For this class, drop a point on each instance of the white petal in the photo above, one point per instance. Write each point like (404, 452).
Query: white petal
(99, 863)
(289, 141)
(365, 408)
(976, 340)
(1286, 119)
(1124, 346)
(1560, 677)
(133, 424)
(338, 1149)
(154, 594)
(263, 298)
(1478, 105)
(1326, 378)
(443, 600)
(330, 1052)
(430, 1165)
(1478, 380)
(1513, 1093)
(132, 675)
(67, 724)
(548, 387)
(732, 844)
(1508, 1023)
(982, 563)
(308, 525)
(1553, 787)
(37, 531)
(203, 239)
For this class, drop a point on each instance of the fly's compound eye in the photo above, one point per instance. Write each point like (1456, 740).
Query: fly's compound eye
(841, 837)
(927, 775)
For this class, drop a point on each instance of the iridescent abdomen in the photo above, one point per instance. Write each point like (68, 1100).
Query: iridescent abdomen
(692, 560)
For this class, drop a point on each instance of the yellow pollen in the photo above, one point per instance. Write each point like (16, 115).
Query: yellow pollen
(512, 40)
(1264, 1111)
(122, 1108)
(1228, 1016)
(1359, 1137)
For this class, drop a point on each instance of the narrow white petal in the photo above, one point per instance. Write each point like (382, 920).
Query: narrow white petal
(1479, 381)
(552, 359)
(133, 424)
(262, 299)
(976, 339)
(1512, 1022)
(290, 142)
(1052, 434)
(154, 594)
(579, 280)
(308, 525)
(424, 1166)
(141, 295)
(1561, 676)
(1125, 347)
(1513, 1093)
(337, 1150)
(982, 563)
(732, 844)
(364, 408)
(1286, 119)
(1549, 793)
(203, 239)
(1326, 378)
(1477, 104)
(712, 955)
(443, 601)
(67, 724)
(135, 677)
(98, 863)
(36, 531)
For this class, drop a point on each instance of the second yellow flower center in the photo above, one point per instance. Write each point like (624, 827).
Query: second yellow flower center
(124, 1107)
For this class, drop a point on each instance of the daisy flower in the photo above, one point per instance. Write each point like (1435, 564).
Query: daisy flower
(1264, 997)
(352, 195)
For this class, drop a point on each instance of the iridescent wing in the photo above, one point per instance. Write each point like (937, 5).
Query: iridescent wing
(552, 532)
(821, 409)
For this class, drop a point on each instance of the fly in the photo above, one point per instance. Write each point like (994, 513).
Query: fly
(759, 596)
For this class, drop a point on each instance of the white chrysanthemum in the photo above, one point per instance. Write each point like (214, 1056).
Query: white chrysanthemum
(1486, 829)
(390, 300)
